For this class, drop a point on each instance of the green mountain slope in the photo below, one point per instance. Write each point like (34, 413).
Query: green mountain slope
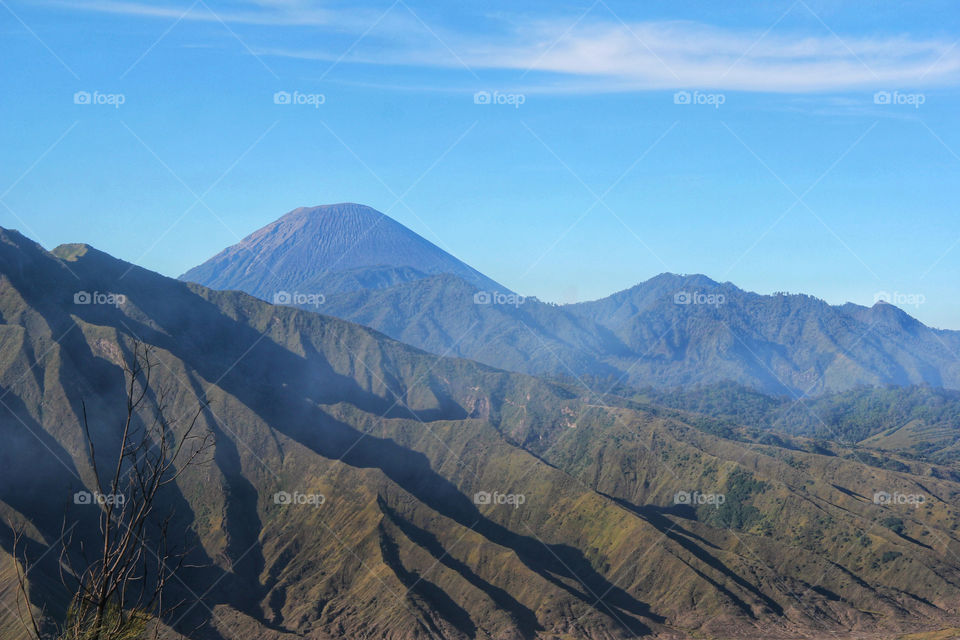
(581, 537)
(920, 422)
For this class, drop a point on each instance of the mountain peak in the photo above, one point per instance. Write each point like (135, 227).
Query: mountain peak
(301, 250)
(340, 212)
(892, 315)
(339, 208)
(669, 284)
(682, 279)
(71, 252)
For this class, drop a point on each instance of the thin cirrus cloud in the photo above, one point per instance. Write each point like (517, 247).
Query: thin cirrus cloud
(266, 13)
(600, 56)
(662, 55)
(667, 55)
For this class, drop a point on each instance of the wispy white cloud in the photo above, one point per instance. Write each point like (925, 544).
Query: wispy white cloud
(267, 13)
(597, 55)
(658, 55)
(645, 56)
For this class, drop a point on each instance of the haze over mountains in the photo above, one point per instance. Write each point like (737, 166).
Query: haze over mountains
(669, 331)
(606, 543)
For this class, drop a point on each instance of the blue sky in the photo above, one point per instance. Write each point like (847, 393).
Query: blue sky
(808, 146)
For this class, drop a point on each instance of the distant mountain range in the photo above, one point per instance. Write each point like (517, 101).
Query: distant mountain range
(460, 501)
(354, 263)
